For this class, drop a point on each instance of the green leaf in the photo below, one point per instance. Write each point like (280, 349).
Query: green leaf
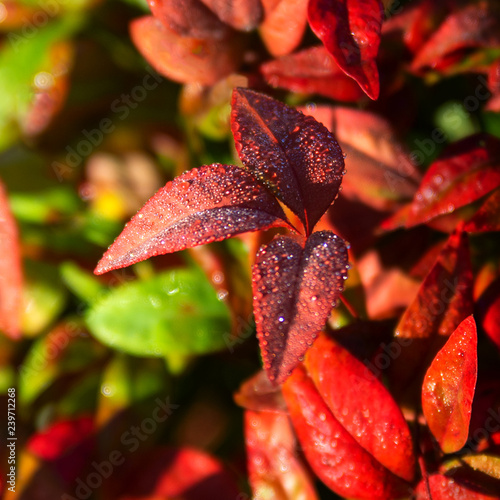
(82, 283)
(176, 312)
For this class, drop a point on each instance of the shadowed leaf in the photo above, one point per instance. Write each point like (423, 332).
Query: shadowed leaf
(293, 297)
(292, 154)
(312, 71)
(486, 218)
(243, 15)
(10, 271)
(350, 30)
(448, 388)
(274, 468)
(369, 413)
(474, 26)
(206, 204)
(185, 59)
(488, 307)
(333, 453)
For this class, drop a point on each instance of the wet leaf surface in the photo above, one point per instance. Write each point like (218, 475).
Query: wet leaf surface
(333, 453)
(350, 30)
(294, 155)
(449, 386)
(293, 298)
(206, 204)
(446, 488)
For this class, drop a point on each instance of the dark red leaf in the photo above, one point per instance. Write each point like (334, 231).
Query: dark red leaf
(486, 218)
(292, 154)
(443, 301)
(378, 168)
(10, 271)
(368, 413)
(474, 26)
(243, 15)
(283, 26)
(189, 18)
(312, 71)
(333, 453)
(182, 58)
(446, 488)
(350, 30)
(205, 204)
(293, 297)
(274, 468)
(449, 386)
(177, 473)
(468, 170)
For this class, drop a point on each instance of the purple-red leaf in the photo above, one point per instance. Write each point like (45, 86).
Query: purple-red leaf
(294, 155)
(489, 311)
(312, 71)
(189, 18)
(468, 170)
(294, 289)
(350, 30)
(10, 271)
(449, 386)
(486, 218)
(206, 204)
(333, 453)
(283, 26)
(274, 467)
(185, 59)
(243, 15)
(369, 413)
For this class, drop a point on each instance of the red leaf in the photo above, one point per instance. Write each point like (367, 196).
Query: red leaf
(311, 71)
(283, 26)
(205, 204)
(446, 488)
(448, 388)
(292, 154)
(10, 271)
(489, 311)
(486, 218)
(474, 26)
(333, 453)
(378, 167)
(468, 170)
(350, 30)
(443, 301)
(177, 473)
(189, 18)
(274, 469)
(293, 298)
(243, 15)
(369, 413)
(182, 58)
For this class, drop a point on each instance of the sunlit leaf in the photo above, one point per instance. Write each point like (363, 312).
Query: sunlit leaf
(274, 468)
(449, 386)
(368, 413)
(350, 30)
(293, 297)
(292, 154)
(206, 204)
(443, 487)
(10, 271)
(333, 453)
